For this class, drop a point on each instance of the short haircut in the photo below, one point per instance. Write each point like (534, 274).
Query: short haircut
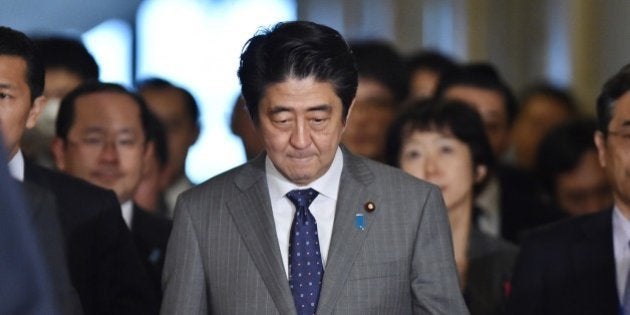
(66, 115)
(192, 108)
(562, 96)
(430, 60)
(69, 54)
(379, 61)
(612, 90)
(444, 116)
(297, 50)
(482, 76)
(16, 43)
(561, 150)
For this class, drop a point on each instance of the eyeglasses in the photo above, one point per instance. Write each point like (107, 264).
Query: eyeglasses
(99, 142)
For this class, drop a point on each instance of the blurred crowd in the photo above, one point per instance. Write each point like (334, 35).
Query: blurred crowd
(507, 162)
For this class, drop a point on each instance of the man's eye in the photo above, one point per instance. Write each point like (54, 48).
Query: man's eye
(92, 141)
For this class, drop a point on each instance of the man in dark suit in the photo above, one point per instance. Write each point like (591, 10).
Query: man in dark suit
(103, 263)
(103, 136)
(581, 265)
(365, 238)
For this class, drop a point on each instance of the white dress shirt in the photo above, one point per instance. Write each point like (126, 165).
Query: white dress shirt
(127, 212)
(16, 166)
(322, 208)
(621, 237)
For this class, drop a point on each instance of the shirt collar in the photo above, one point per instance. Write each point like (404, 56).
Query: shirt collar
(327, 184)
(16, 166)
(127, 212)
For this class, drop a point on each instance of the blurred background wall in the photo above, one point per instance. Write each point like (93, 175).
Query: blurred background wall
(196, 43)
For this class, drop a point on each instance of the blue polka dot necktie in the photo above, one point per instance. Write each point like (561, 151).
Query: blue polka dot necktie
(305, 263)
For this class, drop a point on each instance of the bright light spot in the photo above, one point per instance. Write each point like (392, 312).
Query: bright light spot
(110, 43)
(197, 44)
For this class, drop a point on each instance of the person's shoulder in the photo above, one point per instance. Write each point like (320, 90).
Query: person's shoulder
(59, 182)
(568, 229)
(485, 245)
(238, 178)
(388, 176)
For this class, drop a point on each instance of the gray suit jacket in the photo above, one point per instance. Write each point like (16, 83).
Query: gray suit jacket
(223, 255)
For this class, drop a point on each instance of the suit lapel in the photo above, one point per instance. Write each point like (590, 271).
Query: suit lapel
(347, 239)
(594, 265)
(253, 218)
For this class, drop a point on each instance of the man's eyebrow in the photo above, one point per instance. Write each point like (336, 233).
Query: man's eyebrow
(323, 107)
(278, 109)
(5, 86)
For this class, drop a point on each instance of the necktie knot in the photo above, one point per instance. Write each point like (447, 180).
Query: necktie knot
(302, 198)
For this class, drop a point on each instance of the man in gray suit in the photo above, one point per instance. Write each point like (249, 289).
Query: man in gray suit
(373, 240)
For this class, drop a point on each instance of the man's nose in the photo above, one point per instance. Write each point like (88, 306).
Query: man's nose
(301, 135)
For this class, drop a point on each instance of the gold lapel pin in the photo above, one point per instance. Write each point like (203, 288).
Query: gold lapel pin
(369, 206)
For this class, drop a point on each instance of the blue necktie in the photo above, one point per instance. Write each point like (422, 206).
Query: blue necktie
(305, 263)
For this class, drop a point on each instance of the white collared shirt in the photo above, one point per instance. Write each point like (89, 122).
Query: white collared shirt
(127, 212)
(322, 208)
(621, 237)
(16, 166)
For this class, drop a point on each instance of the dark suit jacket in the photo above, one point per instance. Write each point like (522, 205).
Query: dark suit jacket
(567, 268)
(520, 203)
(490, 264)
(25, 282)
(150, 233)
(223, 255)
(43, 216)
(103, 263)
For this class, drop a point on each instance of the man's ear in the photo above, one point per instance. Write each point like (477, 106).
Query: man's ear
(600, 143)
(481, 172)
(58, 149)
(349, 113)
(149, 152)
(36, 109)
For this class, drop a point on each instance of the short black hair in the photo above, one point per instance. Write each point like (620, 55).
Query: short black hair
(192, 108)
(431, 60)
(378, 60)
(481, 75)
(561, 95)
(445, 116)
(69, 54)
(561, 150)
(612, 90)
(16, 43)
(298, 49)
(65, 117)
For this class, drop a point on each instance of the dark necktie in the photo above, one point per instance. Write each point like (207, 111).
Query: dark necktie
(305, 263)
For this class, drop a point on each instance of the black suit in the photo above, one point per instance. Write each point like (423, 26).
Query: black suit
(567, 268)
(103, 263)
(150, 233)
(520, 204)
(43, 216)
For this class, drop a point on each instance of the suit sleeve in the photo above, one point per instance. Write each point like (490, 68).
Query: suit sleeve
(183, 276)
(434, 281)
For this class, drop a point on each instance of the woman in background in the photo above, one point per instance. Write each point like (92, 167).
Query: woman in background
(444, 142)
